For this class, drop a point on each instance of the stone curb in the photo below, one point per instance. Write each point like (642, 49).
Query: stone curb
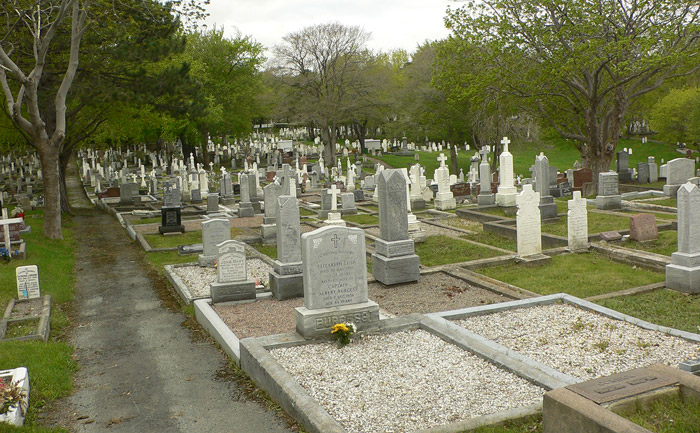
(207, 317)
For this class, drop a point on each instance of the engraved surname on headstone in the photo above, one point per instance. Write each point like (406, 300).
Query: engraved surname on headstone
(335, 271)
(528, 222)
(231, 265)
(288, 230)
(577, 222)
(393, 210)
(213, 233)
(28, 282)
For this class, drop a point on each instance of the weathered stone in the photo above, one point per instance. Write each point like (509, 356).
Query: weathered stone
(683, 273)
(643, 227)
(529, 237)
(214, 232)
(577, 223)
(393, 212)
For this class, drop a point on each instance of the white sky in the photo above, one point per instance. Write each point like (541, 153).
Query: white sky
(392, 23)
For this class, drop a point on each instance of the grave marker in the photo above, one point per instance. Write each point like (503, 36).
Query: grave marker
(683, 273)
(27, 282)
(529, 237)
(608, 193)
(577, 223)
(232, 282)
(643, 227)
(214, 232)
(286, 280)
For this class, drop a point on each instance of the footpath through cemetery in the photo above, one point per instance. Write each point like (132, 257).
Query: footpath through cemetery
(368, 298)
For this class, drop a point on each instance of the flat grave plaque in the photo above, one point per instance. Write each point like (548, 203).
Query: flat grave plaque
(622, 385)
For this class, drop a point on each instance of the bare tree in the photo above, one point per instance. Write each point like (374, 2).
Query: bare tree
(43, 20)
(323, 61)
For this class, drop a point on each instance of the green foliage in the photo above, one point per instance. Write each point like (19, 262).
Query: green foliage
(676, 116)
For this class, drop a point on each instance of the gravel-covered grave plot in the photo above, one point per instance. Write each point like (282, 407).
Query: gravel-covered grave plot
(579, 342)
(197, 279)
(403, 381)
(431, 293)
(262, 317)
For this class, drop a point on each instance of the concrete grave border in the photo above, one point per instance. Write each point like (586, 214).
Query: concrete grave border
(270, 376)
(43, 328)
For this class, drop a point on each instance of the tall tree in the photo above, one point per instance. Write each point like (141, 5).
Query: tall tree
(578, 64)
(324, 62)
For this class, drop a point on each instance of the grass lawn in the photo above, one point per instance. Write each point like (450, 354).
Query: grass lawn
(490, 238)
(159, 259)
(305, 212)
(268, 250)
(664, 307)
(50, 364)
(372, 207)
(670, 202)
(187, 238)
(494, 211)
(580, 275)
(668, 414)
(441, 250)
(146, 221)
(362, 219)
(529, 425)
(665, 244)
(597, 222)
(658, 215)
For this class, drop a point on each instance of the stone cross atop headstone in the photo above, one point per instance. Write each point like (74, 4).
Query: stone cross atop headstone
(442, 158)
(505, 142)
(484, 152)
(334, 197)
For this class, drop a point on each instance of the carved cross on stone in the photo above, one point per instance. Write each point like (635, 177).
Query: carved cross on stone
(442, 158)
(505, 142)
(335, 239)
(484, 151)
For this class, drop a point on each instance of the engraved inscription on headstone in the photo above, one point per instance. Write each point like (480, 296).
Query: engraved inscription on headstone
(231, 264)
(28, 282)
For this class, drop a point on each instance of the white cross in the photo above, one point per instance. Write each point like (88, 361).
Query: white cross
(5, 222)
(211, 166)
(442, 158)
(505, 142)
(334, 198)
(484, 153)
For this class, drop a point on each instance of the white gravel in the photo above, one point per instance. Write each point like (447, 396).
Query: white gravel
(579, 342)
(403, 381)
(197, 279)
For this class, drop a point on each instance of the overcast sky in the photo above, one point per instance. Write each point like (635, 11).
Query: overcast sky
(392, 23)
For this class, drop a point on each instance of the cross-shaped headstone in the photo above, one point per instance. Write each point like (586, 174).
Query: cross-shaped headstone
(211, 166)
(334, 198)
(505, 142)
(484, 151)
(442, 158)
(5, 222)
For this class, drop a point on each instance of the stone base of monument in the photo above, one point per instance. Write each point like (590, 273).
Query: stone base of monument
(506, 199)
(548, 209)
(534, 260)
(395, 270)
(334, 220)
(323, 214)
(206, 261)
(671, 190)
(228, 201)
(318, 323)
(233, 291)
(352, 211)
(268, 232)
(683, 274)
(418, 203)
(171, 229)
(286, 280)
(590, 406)
(245, 210)
(606, 202)
(444, 203)
(257, 206)
(486, 199)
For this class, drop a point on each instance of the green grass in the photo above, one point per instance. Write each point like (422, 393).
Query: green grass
(664, 307)
(159, 259)
(50, 364)
(21, 328)
(441, 250)
(362, 219)
(665, 244)
(146, 221)
(372, 207)
(173, 241)
(490, 238)
(670, 202)
(498, 211)
(268, 250)
(658, 215)
(597, 222)
(305, 212)
(529, 425)
(580, 275)
(667, 414)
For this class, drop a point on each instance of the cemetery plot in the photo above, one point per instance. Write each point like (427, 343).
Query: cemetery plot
(433, 292)
(362, 219)
(665, 244)
(441, 250)
(577, 274)
(27, 319)
(405, 381)
(579, 342)
(262, 317)
(597, 222)
(158, 241)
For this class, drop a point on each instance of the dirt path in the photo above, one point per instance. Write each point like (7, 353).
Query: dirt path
(140, 369)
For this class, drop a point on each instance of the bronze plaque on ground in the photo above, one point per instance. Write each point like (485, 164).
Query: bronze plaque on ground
(621, 385)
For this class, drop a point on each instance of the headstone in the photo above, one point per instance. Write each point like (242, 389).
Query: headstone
(643, 227)
(529, 237)
(286, 279)
(335, 282)
(245, 206)
(444, 200)
(683, 273)
(611, 235)
(608, 193)
(213, 203)
(196, 195)
(548, 209)
(505, 197)
(268, 229)
(582, 177)
(653, 170)
(679, 170)
(394, 260)
(27, 282)
(232, 283)
(347, 200)
(486, 196)
(214, 232)
(622, 166)
(577, 223)
(127, 192)
(643, 172)
(333, 214)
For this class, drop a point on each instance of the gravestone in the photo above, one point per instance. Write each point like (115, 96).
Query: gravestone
(622, 166)
(679, 170)
(333, 214)
(213, 203)
(226, 190)
(608, 193)
(486, 196)
(335, 282)
(643, 172)
(505, 197)
(417, 200)
(325, 204)
(683, 273)
(27, 278)
(394, 260)
(444, 200)
(286, 280)
(268, 229)
(232, 283)
(582, 177)
(171, 211)
(253, 180)
(127, 192)
(548, 209)
(577, 223)
(245, 206)
(214, 232)
(643, 227)
(347, 200)
(653, 170)
(196, 196)
(529, 237)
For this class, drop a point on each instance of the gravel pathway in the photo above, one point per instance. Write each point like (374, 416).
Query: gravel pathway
(579, 342)
(431, 293)
(198, 279)
(262, 317)
(403, 381)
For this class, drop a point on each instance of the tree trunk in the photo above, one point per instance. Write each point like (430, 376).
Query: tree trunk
(360, 132)
(52, 190)
(63, 166)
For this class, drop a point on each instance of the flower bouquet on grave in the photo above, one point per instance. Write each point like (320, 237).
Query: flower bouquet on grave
(11, 396)
(343, 332)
